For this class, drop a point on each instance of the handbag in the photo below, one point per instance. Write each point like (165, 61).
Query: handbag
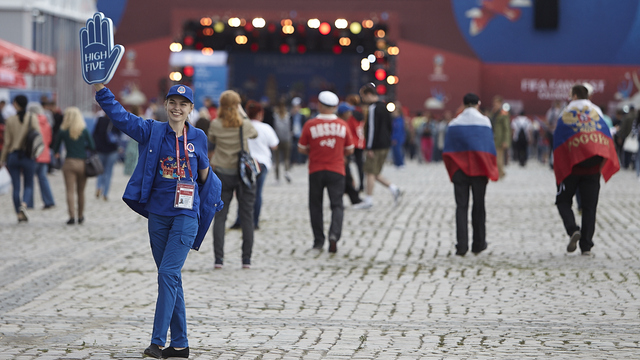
(33, 142)
(93, 166)
(5, 181)
(631, 143)
(247, 166)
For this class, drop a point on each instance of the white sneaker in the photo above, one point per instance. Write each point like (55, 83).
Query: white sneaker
(362, 205)
(397, 196)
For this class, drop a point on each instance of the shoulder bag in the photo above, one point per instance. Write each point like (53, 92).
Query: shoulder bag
(33, 142)
(247, 166)
(631, 143)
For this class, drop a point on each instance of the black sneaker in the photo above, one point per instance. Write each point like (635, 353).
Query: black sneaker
(479, 250)
(217, 264)
(153, 351)
(333, 246)
(71, 221)
(235, 226)
(171, 352)
(246, 263)
(573, 242)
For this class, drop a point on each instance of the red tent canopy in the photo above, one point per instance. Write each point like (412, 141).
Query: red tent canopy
(25, 61)
(11, 78)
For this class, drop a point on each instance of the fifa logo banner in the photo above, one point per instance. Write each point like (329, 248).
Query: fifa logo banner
(581, 134)
(100, 57)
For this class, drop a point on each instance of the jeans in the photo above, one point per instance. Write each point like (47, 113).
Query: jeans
(398, 154)
(104, 180)
(246, 198)
(43, 182)
(258, 203)
(171, 239)
(334, 183)
(18, 163)
(589, 187)
(478, 185)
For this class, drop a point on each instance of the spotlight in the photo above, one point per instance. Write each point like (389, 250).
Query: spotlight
(175, 47)
(258, 23)
(341, 24)
(313, 23)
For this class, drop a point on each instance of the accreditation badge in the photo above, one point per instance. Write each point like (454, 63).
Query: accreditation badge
(185, 191)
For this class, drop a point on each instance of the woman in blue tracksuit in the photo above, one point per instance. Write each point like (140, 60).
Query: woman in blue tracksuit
(179, 198)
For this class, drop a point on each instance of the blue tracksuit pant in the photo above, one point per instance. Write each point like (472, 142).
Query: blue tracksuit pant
(171, 239)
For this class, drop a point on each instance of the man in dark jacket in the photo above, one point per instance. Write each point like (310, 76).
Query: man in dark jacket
(377, 131)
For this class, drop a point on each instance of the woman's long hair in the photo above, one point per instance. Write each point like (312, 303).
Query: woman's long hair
(73, 121)
(228, 109)
(281, 108)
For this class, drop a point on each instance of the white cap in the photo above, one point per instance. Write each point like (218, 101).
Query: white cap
(589, 88)
(328, 98)
(296, 101)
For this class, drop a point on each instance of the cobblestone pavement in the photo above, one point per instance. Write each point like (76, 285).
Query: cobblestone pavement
(394, 290)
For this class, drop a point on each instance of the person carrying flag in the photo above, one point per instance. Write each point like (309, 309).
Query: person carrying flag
(583, 149)
(469, 155)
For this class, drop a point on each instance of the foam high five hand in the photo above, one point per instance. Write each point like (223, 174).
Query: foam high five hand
(100, 57)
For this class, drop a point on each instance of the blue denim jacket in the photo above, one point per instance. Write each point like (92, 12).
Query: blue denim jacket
(148, 134)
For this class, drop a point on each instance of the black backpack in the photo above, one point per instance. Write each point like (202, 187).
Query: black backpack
(33, 142)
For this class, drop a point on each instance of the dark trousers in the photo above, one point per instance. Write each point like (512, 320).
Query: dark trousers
(358, 157)
(334, 183)
(589, 187)
(257, 206)
(246, 197)
(478, 185)
(349, 187)
(520, 152)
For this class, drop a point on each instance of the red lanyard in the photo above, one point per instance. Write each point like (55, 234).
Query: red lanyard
(186, 154)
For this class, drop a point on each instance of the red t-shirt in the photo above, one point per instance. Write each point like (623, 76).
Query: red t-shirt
(326, 137)
(357, 131)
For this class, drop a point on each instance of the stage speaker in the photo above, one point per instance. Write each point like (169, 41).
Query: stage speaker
(545, 14)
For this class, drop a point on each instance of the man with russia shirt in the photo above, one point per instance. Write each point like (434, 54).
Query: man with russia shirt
(469, 155)
(326, 140)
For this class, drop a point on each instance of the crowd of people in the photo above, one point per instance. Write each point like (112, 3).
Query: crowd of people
(184, 188)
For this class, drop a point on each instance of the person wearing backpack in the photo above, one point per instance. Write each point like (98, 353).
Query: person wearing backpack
(521, 137)
(15, 157)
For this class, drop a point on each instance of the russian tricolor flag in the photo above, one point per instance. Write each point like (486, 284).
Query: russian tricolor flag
(469, 146)
(580, 134)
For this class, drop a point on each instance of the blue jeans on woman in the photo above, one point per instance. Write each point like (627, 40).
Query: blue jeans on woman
(171, 239)
(398, 154)
(18, 163)
(104, 180)
(45, 190)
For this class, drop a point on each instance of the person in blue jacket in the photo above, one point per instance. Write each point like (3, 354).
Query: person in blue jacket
(173, 186)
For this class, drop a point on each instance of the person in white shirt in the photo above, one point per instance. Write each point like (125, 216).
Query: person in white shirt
(260, 149)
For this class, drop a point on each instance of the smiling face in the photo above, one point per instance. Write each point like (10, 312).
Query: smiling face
(178, 108)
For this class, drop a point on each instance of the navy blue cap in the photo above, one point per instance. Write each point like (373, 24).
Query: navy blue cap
(181, 90)
(343, 107)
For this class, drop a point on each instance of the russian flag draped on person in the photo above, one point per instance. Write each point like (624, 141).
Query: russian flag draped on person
(581, 133)
(469, 146)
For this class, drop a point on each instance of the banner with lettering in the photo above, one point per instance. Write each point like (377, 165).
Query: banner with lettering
(580, 134)
(100, 57)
